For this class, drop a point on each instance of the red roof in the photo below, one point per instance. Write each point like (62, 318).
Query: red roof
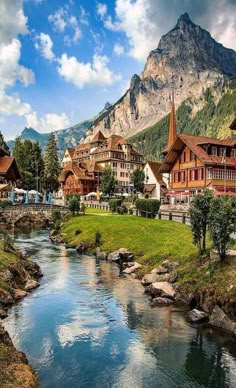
(5, 163)
(98, 137)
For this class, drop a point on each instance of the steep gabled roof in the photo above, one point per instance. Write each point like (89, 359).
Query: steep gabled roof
(5, 163)
(99, 137)
(155, 167)
(195, 144)
(71, 151)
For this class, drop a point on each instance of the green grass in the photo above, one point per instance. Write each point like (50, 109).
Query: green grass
(6, 258)
(153, 241)
(150, 240)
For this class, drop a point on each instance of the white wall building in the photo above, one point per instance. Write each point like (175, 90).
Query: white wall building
(155, 186)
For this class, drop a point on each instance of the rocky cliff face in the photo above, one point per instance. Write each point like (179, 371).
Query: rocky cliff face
(190, 56)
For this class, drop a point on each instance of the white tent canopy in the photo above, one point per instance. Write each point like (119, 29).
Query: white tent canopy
(92, 194)
(20, 191)
(34, 192)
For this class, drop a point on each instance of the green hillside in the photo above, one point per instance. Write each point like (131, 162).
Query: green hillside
(215, 111)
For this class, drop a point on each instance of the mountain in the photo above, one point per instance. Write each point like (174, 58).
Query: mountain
(186, 57)
(68, 137)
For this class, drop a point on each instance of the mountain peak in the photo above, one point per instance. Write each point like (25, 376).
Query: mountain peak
(184, 18)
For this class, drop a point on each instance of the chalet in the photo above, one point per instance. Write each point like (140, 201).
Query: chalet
(155, 187)
(9, 173)
(68, 155)
(197, 162)
(90, 159)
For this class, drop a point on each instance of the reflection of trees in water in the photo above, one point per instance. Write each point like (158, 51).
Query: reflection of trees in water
(204, 363)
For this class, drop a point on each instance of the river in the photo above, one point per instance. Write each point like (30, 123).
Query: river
(87, 326)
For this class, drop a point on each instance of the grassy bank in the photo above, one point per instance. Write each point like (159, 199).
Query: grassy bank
(153, 241)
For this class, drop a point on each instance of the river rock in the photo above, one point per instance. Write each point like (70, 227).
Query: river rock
(100, 255)
(160, 270)
(6, 276)
(163, 289)
(170, 265)
(196, 315)
(31, 284)
(121, 255)
(19, 294)
(160, 301)
(132, 269)
(3, 314)
(81, 247)
(5, 298)
(149, 279)
(219, 319)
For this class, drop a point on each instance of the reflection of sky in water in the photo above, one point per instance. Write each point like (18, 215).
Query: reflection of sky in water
(87, 327)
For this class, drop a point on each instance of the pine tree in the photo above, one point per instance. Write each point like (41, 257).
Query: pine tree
(3, 144)
(51, 165)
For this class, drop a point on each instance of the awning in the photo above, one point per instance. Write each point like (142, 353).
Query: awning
(149, 188)
(5, 187)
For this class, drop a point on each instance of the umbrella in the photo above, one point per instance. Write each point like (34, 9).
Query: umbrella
(12, 196)
(19, 191)
(36, 200)
(27, 197)
(33, 192)
(49, 198)
(45, 197)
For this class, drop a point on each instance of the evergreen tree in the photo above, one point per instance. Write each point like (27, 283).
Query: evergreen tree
(108, 181)
(3, 144)
(138, 178)
(51, 165)
(29, 159)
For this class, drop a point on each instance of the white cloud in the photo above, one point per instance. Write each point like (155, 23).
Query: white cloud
(44, 45)
(13, 20)
(118, 49)
(12, 105)
(47, 123)
(10, 70)
(81, 74)
(84, 16)
(101, 9)
(62, 21)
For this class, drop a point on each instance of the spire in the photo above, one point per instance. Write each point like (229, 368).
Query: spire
(172, 123)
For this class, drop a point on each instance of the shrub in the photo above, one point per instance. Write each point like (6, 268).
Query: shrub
(56, 215)
(8, 244)
(82, 208)
(4, 203)
(148, 207)
(73, 203)
(114, 204)
(98, 238)
(131, 211)
(77, 232)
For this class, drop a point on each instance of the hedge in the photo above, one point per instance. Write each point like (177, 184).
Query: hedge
(148, 207)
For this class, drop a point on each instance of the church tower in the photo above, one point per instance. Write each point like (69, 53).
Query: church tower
(172, 126)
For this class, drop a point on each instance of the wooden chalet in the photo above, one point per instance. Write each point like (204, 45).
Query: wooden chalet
(197, 162)
(9, 173)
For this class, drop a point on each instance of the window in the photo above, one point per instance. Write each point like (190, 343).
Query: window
(182, 176)
(200, 174)
(222, 151)
(182, 158)
(176, 177)
(209, 173)
(214, 151)
(192, 172)
(233, 153)
(114, 164)
(192, 156)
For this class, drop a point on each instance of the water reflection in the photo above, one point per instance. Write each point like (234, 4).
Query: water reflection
(87, 326)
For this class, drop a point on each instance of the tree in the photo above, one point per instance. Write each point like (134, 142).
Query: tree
(138, 178)
(199, 218)
(3, 144)
(221, 224)
(73, 203)
(29, 159)
(51, 165)
(108, 181)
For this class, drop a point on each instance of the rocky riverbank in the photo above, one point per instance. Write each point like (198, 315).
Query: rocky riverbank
(18, 276)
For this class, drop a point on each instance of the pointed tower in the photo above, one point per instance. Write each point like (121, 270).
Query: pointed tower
(172, 126)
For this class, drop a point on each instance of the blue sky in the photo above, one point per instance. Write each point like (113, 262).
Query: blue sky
(62, 60)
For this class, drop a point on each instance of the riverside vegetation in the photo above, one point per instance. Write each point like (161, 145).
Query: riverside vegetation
(18, 276)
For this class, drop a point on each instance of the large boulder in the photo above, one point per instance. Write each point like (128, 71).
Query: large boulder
(149, 279)
(19, 294)
(132, 268)
(163, 289)
(160, 301)
(196, 315)
(5, 298)
(31, 284)
(219, 319)
(160, 270)
(121, 255)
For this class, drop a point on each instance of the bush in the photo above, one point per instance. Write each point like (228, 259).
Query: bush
(73, 203)
(56, 215)
(82, 208)
(114, 204)
(131, 211)
(98, 238)
(77, 232)
(8, 244)
(148, 207)
(4, 203)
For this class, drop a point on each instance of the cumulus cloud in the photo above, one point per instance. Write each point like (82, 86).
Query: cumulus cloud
(62, 21)
(10, 70)
(13, 20)
(144, 21)
(12, 105)
(118, 49)
(47, 123)
(44, 44)
(81, 74)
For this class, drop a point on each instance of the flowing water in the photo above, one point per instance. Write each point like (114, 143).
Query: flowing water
(87, 326)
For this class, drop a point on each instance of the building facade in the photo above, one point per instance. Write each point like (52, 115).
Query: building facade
(155, 187)
(196, 162)
(67, 158)
(9, 173)
(90, 159)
